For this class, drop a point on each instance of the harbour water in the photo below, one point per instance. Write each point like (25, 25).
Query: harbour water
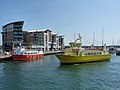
(48, 74)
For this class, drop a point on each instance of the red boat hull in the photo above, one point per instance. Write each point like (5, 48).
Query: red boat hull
(27, 57)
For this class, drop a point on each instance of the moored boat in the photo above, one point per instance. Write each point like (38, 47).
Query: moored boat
(118, 52)
(22, 54)
(75, 54)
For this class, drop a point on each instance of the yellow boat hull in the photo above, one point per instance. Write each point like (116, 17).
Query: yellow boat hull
(67, 59)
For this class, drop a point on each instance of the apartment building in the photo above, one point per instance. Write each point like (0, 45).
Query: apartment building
(12, 35)
(61, 42)
(38, 39)
(57, 42)
(43, 39)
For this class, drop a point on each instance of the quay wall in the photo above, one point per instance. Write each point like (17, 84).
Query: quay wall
(52, 52)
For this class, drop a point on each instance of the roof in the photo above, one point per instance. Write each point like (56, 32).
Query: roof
(40, 30)
(21, 22)
(54, 33)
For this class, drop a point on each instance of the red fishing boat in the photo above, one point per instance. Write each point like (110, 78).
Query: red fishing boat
(22, 54)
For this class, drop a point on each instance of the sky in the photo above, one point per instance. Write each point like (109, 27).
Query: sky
(67, 17)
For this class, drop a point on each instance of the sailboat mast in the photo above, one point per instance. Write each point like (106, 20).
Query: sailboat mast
(102, 37)
(74, 36)
(93, 38)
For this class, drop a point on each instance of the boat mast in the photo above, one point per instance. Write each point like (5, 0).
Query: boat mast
(80, 38)
(103, 46)
(102, 37)
(93, 38)
(74, 36)
(80, 46)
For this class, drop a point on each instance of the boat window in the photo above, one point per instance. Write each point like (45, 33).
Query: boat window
(94, 53)
(88, 53)
(97, 53)
(91, 53)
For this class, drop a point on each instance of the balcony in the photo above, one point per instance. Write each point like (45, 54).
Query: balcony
(19, 37)
(17, 25)
(17, 33)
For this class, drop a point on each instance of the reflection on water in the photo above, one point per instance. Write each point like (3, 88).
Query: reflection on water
(49, 74)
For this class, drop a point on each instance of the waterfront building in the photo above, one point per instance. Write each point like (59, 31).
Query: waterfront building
(54, 44)
(61, 42)
(39, 39)
(44, 40)
(57, 42)
(12, 35)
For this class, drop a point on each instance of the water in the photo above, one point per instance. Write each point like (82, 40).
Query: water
(48, 74)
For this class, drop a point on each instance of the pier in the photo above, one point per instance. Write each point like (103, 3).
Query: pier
(5, 57)
(52, 52)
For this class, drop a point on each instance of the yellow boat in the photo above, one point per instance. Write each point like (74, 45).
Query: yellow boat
(75, 54)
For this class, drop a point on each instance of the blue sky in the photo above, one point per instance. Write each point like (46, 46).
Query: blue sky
(67, 17)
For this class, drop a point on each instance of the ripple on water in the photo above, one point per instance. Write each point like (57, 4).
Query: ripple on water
(48, 74)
